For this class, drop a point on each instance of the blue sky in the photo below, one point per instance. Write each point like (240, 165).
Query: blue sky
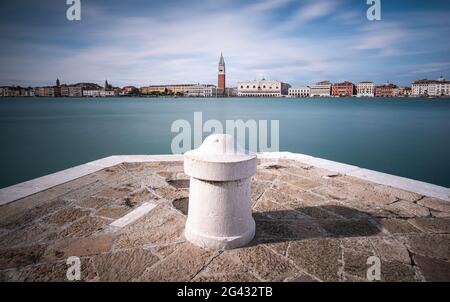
(153, 42)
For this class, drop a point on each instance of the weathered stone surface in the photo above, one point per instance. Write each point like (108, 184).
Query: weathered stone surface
(182, 265)
(408, 209)
(301, 277)
(398, 193)
(19, 257)
(311, 225)
(266, 209)
(265, 263)
(179, 183)
(138, 197)
(121, 192)
(161, 225)
(27, 235)
(276, 231)
(26, 215)
(258, 188)
(300, 182)
(66, 216)
(121, 266)
(435, 204)
(171, 194)
(113, 212)
(430, 245)
(348, 228)
(78, 247)
(164, 250)
(433, 270)
(319, 257)
(439, 214)
(433, 225)
(397, 272)
(94, 202)
(84, 227)
(398, 226)
(226, 278)
(390, 249)
(181, 205)
(226, 263)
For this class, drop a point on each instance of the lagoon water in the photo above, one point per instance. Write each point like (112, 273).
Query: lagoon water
(405, 137)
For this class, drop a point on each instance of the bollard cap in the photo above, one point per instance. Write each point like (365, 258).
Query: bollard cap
(220, 158)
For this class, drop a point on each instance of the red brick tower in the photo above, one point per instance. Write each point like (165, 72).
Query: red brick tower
(221, 77)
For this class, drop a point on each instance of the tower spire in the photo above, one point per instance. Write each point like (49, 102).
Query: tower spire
(221, 77)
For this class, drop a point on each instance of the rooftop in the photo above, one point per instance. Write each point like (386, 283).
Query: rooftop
(125, 216)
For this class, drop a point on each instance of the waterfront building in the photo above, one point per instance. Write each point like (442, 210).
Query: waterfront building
(75, 91)
(365, 89)
(9, 91)
(344, 89)
(180, 89)
(39, 91)
(320, 89)
(71, 91)
(203, 91)
(231, 92)
(51, 91)
(91, 93)
(386, 90)
(107, 93)
(439, 87)
(64, 90)
(296, 92)
(221, 77)
(263, 88)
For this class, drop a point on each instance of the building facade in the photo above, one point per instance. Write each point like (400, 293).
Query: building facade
(365, 89)
(263, 88)
(299, 92)
(166, 89)
(91, 93)
(221, 77)
(202, 91)
(386, 90)
(439, 87)
(321, 89)
(344, 89)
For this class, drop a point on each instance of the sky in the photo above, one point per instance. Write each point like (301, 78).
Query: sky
(145, 42)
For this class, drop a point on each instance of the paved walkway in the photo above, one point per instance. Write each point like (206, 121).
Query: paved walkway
(126, 223)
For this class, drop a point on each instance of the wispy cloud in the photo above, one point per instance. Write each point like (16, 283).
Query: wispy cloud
(314, 10)
(264, 5)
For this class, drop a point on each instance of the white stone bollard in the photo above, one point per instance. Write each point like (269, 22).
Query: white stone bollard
(220, 213)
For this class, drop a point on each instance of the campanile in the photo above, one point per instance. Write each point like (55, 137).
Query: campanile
(221, 77)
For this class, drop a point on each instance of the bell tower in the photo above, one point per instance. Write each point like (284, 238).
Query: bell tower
(221, 77)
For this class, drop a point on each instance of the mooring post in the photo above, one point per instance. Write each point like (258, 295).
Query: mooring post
(220, 212)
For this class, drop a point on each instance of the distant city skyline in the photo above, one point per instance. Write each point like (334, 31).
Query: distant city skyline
(167, 42)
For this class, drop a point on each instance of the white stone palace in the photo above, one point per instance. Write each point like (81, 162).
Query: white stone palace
(365, 89)
(439, 87)
(263, 88)
(301, 92)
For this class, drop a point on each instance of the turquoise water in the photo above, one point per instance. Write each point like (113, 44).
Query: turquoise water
(410, 138)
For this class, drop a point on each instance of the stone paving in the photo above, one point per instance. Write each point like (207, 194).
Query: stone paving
(311, 225)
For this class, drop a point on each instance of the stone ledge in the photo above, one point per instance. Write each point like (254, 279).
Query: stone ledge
(16, 192)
